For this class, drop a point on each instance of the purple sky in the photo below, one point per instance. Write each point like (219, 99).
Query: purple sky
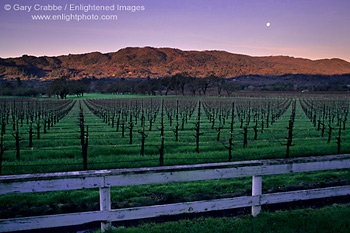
(312, 29)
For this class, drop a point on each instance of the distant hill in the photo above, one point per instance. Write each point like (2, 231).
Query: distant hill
(160, 62)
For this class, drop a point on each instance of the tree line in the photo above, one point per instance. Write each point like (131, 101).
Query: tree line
(178, 84)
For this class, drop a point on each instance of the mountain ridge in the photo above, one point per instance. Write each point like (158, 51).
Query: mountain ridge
(133, 62)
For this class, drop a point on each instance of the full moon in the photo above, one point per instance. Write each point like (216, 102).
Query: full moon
(268, 24)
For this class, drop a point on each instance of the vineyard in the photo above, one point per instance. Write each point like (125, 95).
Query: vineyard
(40, 136)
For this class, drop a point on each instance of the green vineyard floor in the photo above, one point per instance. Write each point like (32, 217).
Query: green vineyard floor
(60, 149)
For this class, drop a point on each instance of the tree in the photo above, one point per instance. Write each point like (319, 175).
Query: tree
(192, 85)
(59, 87)
(218, 82)
(19, 81)
(203, 84)
(78, 87)
(229, 88)
(180, 81)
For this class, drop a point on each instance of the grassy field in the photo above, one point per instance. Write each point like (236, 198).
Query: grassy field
(60, 150)
(327, 219)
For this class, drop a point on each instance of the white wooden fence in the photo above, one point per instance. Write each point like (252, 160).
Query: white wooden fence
(104, 179)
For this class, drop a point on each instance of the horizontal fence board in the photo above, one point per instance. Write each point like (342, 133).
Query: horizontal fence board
(51, 185)
(153, 175)
(49, 221)
(273, 198)
(181, 208)
(61, 220)
(320, 166)
(221, 173)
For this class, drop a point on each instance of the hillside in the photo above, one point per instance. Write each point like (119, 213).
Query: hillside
(160, 62)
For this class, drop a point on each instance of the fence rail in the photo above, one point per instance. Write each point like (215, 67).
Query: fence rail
(104, 179)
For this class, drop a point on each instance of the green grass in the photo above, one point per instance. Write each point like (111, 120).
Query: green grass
(101, 96)
(115, 96)
(106, 145)
(60, 150)
(327, 219)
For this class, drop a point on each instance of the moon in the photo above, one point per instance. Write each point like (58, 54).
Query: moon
(268, 24)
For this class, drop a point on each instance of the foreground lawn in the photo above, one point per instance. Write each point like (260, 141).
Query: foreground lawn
(327, 219)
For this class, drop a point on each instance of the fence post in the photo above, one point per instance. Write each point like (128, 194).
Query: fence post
(105, 204)
(256, 191)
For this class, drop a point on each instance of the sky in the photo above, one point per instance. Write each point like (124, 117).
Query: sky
(313, 29)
